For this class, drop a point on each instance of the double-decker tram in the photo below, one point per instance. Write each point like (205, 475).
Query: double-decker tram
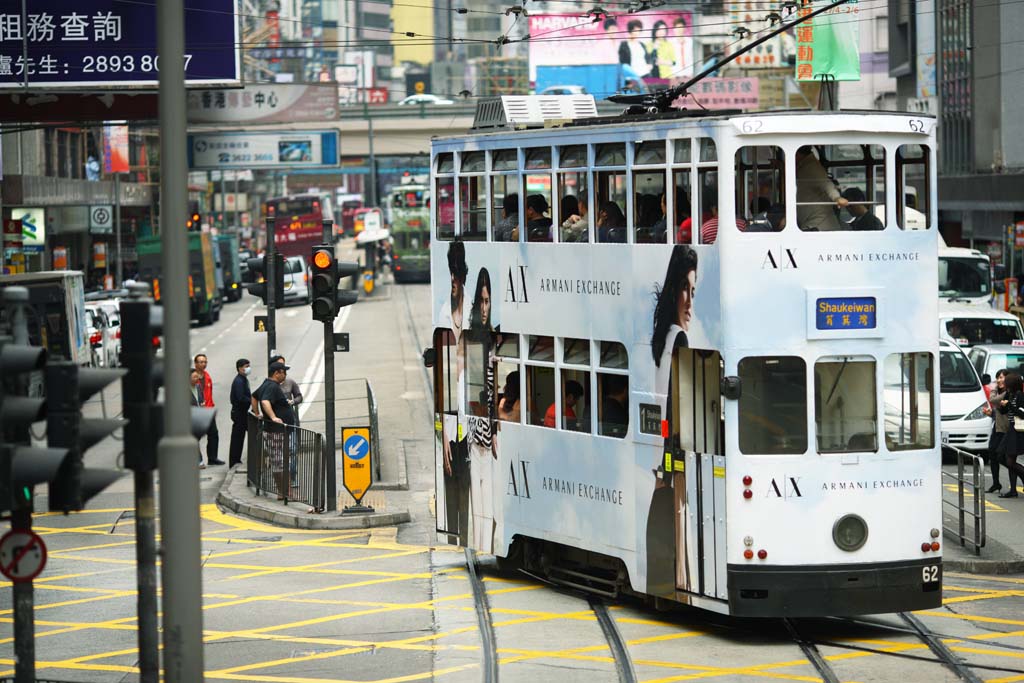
(693, 357)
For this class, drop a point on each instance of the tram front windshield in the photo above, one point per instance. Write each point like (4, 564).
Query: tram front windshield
(963, 277)
(956, 373)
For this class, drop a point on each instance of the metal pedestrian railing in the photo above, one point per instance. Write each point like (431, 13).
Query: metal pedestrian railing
(287, 461)
(969, 514)
(371, 408)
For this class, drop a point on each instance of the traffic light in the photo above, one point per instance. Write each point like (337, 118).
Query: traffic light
(194, 222)
(258, 268)
(141, 323)
(327, 298)
(22, 465)
(68, 386)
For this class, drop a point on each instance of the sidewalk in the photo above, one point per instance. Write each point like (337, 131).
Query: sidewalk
(1003, 552)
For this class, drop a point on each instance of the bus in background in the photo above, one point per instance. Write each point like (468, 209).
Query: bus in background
(409, 208)
(347, 204)
(965, 275)
(298, 225)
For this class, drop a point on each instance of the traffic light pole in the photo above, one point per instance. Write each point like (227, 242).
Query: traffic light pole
(179, 479)
(330, 442)
(15, 298)
(272, 302)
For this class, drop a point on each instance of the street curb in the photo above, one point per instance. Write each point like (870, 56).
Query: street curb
(982, 566)
(254, 508)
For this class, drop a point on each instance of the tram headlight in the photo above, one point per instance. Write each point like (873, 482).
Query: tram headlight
(850, 532)
(977, 414)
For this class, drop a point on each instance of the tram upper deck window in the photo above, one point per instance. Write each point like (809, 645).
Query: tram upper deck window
(505, 160)
(845, 411)
(538, 208)
(773, 405)
(840, 187)
(650, 153)
(913, 165)
(610, 212)
(472, 162)
(649, 207)
(572, 156)
(681, 149)
(610, 154)
(446, 163)
(908, 401)
(538, 157)
(444, 207)
(473, 204)
(708, 150)
(576, 351)
(760, 188)
(613, 355)
(505, 207)
(573, 207)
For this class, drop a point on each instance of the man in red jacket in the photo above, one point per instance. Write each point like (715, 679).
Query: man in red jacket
(212, 436)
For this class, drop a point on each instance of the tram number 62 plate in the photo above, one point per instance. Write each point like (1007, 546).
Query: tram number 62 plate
(930, 574)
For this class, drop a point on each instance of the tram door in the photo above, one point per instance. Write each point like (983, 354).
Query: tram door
(451, 466)
(698, 471)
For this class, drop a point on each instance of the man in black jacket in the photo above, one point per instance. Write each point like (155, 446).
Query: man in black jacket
(241, 398)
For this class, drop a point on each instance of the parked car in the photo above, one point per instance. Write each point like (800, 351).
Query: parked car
(101, 336)
(563, 90)
(296, 281)
(961, 401)
(425, 99)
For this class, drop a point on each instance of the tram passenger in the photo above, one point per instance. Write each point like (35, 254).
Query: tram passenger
(507, 229)
(863, 217)
(576, 228)
(614, 415)
(682, 209)
(567, 207)
(650, 213)
(538, 226)
(611, 223)
(1012, 445)
(709, 228)
(814, 192)
(573, 394)
(508, 406)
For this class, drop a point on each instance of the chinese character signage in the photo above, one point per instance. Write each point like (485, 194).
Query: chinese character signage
(723, 93)
(109, 43)
(829, 44)
(846, 313)
(115, 149)
(264, 103)
(751, 15)
(263, 150)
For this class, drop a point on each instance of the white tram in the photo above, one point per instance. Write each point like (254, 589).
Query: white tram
(716, 386)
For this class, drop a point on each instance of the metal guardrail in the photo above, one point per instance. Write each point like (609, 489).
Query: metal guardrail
(969, 534)
(371, 407)
(287, 461)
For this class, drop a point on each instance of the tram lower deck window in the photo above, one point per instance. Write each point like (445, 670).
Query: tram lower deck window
(908, 401)
(845, 410)
(773, 405)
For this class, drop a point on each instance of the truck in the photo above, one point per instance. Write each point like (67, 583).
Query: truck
(227, 246)
(56, 316)
(204, 295)
(965, 275)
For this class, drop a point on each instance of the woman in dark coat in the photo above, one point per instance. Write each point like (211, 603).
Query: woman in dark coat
(1013, 444)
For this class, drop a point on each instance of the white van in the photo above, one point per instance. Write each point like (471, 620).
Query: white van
(968, 325)
(961, 401)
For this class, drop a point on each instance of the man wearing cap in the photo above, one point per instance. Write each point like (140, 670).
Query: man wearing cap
(241, 396)
(290, 388)
(538, 226)
(274, 403)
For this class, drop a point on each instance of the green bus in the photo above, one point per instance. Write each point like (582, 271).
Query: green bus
(409, 211)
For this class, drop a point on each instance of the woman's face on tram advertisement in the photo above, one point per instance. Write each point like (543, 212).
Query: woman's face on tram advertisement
(485, 306)
(689, 288)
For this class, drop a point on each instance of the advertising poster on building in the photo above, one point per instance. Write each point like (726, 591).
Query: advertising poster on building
(263, 150)
(752, 15)
(265, 103)
(723, 93)
(115, 149)
(829, 44)
(651, 45)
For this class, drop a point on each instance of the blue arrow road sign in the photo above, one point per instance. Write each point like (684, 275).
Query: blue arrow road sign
(356, 447)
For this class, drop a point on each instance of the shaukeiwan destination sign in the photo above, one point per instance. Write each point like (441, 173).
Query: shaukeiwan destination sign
(111, 44)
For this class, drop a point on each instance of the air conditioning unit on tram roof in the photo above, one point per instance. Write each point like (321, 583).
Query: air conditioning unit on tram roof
(509, 111)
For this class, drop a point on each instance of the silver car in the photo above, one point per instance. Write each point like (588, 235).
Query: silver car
(296, 281)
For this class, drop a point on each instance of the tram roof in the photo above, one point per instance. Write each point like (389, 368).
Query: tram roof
(682, 115)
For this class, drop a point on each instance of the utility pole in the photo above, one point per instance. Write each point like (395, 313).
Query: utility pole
(271, 294)
(181, 571)
(119, 274)
(371, 195)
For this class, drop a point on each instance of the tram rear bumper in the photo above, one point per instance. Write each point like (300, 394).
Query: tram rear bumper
(834, 590)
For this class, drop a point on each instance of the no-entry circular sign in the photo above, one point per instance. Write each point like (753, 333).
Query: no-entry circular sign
(22, 555)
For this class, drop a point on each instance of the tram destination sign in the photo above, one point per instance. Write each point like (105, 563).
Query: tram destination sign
(111, 44)
(846, 313)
